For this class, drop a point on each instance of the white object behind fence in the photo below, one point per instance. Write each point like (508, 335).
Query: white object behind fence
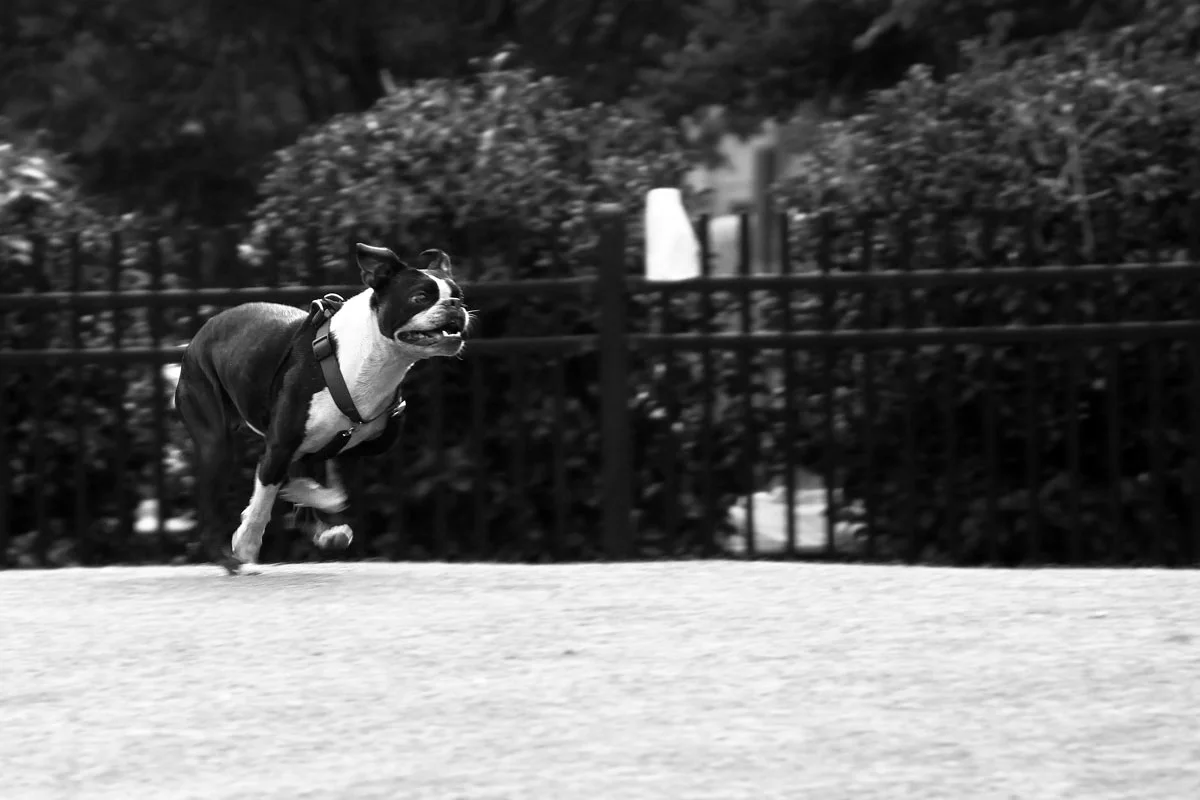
(672, 249)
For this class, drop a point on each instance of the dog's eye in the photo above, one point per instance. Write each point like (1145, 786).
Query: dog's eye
(419, 298)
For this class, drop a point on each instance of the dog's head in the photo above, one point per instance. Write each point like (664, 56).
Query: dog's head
(419, 309)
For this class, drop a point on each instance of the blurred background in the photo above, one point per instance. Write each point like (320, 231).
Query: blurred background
(162, 144)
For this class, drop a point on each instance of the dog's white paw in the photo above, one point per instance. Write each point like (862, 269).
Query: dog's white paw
(307, 492)
(246, 546)
(338, 537)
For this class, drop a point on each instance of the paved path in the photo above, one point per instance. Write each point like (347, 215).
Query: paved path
(614, 682)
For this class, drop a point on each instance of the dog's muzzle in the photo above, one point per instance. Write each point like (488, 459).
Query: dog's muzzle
(450, 330)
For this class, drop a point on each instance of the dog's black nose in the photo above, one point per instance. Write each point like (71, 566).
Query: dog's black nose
(454, 302)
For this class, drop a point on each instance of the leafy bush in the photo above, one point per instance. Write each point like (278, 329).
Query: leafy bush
(1065, 155)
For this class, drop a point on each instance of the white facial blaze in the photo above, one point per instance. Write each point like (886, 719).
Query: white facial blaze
(443, 289)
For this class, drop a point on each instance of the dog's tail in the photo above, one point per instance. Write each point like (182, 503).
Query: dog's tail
(170, 373)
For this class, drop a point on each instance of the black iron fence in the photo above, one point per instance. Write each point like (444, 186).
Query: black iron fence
(883, 395)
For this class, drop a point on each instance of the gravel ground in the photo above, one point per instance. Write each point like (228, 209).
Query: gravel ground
(665, 680)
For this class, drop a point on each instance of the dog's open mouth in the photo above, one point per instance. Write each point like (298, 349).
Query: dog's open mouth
(451, 329)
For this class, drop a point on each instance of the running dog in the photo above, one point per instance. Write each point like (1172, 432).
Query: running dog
(314, 386)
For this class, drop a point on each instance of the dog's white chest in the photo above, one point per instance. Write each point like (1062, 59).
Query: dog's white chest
(325, 420)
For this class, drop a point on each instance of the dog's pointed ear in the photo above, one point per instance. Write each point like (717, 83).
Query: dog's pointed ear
(437, 260)
(377, 264)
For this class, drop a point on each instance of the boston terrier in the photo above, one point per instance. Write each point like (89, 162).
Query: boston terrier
(315, 387)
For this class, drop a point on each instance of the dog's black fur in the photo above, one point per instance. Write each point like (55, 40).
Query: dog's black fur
(254, 364)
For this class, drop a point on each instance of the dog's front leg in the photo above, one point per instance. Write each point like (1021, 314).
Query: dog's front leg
(268, 478)
(329, 524)
(304, 489)
(336, 531)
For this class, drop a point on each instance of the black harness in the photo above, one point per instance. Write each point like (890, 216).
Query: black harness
(323, 351)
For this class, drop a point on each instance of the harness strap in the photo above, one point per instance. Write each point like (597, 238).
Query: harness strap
(322, 347)
(323, 351)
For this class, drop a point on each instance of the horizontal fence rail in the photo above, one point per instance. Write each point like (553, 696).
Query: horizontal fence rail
(174, 354)
(971, 278)
(169, 298)
(857, 404)
(894, 337)
(922, 337)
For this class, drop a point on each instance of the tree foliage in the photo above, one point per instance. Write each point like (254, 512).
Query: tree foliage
(760, 59)
(191, 98)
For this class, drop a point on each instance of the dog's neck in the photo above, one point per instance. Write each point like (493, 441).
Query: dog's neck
(372, 365)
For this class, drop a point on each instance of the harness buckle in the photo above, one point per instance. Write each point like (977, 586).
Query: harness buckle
(322, 347)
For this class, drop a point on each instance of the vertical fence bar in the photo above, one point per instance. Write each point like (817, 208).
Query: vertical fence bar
(42, 536)
(1192, 464)
(1192, 461)
(518, 466)
(871, 321)
(561, 512)
(160, 391)
(561, 487)
(1113, 395)
(749, 455)
(910, 315)
(479, 518)
(1033, 469)
(790, 391)
(120, 417)
(616, 467)
(707, 409)
(1156, 441)
(669, 457)
(829, 449)
(1074, 378)
(83, 537)
(5, 477)
(990, 414)
(437, 435)
(952, 516)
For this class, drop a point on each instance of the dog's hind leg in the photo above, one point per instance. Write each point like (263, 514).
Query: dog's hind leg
(200, 406)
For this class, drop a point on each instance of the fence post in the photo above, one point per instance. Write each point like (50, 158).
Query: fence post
(616, 458)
